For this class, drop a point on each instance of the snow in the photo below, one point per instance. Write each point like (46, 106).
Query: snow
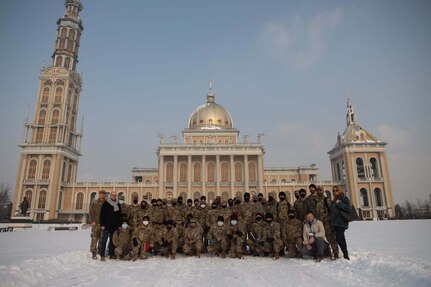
(383, 253)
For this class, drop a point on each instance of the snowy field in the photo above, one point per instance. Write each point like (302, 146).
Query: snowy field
(383, 253)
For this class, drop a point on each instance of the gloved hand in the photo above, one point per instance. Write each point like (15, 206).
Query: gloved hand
(135, 242)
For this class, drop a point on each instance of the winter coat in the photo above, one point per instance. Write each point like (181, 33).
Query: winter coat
(108, 218)
(316, 226)
(95, 208)
(343, 204)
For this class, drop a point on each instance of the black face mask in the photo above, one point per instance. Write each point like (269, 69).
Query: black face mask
(143, 206)
(237, 202)
(296, 196)
(255, 201)
(230, 203)
(164, 203)
(154, 204)
(263, 203)
(224, 206)
(258, 218)
(302, 195)
(214, 206)
(169, 227)
(268, 221)
(271, 199)
(189, 204)
(291, 216)
(260, 198)
(135, 201)
(174, 203)
(282, 198)
(246, 199)
(180, 201)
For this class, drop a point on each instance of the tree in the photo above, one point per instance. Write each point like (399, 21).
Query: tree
(398, 211)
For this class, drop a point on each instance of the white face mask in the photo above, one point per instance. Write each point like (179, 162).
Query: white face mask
(233, 222)
(145, 222)
(203, 205)
(121, 201)
(220, 223)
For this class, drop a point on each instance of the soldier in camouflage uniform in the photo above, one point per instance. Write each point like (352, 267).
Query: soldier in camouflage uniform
(217, 238)
(96, 233)
(202, 217)
(236, 208)
(235, 237)
(323, 213)
(271, 206)
(170, 240)
(158, 232)
(173, 211)
(283, 207)
(122, 242)
(272, 237)
(134, 215)
(212, 215)
(255, 237)
(180, 226)
(312, 199)
(123, 205)
(225, 211)
(141, 240)
(193, 238)
(157, 213)
(291, 232)
(247, 212)
(300, 206)
(190, 209)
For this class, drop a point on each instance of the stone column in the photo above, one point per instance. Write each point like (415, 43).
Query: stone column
(260, 172)
(204, 175)
(189, 177)
(161, 176)
(246, 172)
(218, 177)
(232, 177)
(175, 177)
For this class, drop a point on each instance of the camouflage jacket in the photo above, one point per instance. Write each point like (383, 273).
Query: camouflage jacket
(95, 208)
(145, 233)
(121, 237)
(171, 235)
(192, 235)
(217, 232)
(291, 229)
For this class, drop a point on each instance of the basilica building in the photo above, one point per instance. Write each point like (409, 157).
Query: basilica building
(211, 159)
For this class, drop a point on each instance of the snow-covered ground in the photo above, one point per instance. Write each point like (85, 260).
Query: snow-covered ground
(383, 253)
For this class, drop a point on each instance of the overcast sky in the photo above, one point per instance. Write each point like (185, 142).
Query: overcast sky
(279, 67)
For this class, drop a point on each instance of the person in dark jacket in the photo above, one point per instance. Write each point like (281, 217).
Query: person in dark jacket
(110, 221)
(340, 203)
(24, 206)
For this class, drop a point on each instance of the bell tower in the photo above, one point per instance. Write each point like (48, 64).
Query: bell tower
(50, 147)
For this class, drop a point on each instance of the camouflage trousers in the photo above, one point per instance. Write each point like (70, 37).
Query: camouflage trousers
(190, 246)
(123, 252)
(236, 247)
(169, 248)
(217, 246)
(255, 247)
(96, 238)
(273, 247)
(294, 247)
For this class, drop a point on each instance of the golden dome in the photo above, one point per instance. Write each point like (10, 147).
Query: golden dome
(210, 116)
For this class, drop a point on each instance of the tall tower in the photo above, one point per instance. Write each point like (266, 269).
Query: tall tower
(359, 163)
(50, 148)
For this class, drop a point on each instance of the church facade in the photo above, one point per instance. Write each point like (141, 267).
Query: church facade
(209, 160)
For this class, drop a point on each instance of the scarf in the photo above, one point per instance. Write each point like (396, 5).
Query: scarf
(114, 204)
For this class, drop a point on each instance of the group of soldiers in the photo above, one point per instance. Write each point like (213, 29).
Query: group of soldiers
(253, 226)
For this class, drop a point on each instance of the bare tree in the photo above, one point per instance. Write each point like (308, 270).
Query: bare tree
(4, 194)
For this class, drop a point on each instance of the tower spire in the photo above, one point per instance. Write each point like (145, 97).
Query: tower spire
(210, 95)
(68, 35)
(351, 116)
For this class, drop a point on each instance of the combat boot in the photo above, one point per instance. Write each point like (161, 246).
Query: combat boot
(346, 256)
(94, 255)
(173, 256)
(223, 254)
(102, 258)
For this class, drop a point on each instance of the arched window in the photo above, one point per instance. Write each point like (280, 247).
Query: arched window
(59, 59)
(252, 171)
(93, 196)
(197, 172)
(338, 171)
(60, 199)
(238, 171)
(378, 196)
(32, 169)
(210, 172)
(283, 181)
(63, 32)
(374, 168)
(42, 117)
(224, 172)
(169, 171)
(183, 172)
(67, 60)
(293, 180)
(72, 34)
(29, 196)
(79, 201)
(344, 170)
(45, 95)
(360, 168)
(42, 199)
(55, 117)
(69, 173)
(75, 101)
(364, 196)
(39, 135)
(53, 135)
(58, 95)
(46, 168)
(273, 181)
(72, 124)
(63, 172)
